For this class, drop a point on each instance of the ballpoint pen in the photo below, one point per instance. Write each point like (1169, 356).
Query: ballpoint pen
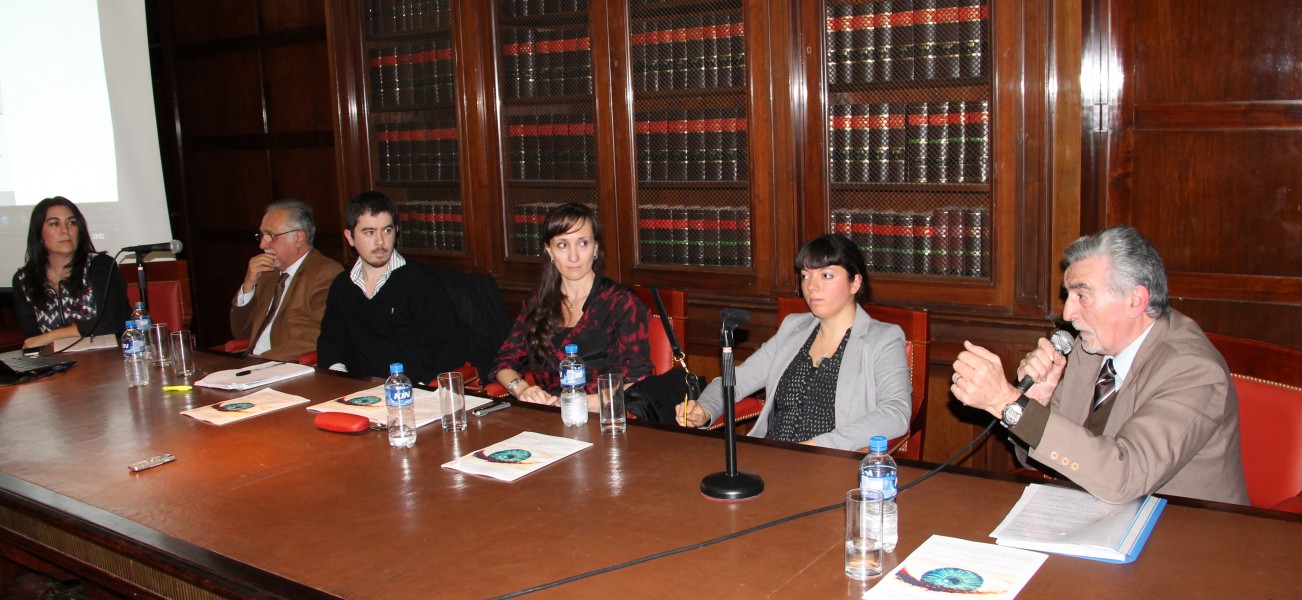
(258, 368)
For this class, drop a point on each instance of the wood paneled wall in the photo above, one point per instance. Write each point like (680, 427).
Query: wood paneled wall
(243, 90)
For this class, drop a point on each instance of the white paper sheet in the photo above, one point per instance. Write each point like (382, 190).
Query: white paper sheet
(237, 409)
(517, 456)
(946, 567)
(253, 376)
(369, 403)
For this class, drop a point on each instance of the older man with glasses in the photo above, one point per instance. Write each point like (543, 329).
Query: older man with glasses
(280, 305)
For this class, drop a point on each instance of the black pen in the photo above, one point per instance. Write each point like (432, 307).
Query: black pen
(258, 368)
(479, 412)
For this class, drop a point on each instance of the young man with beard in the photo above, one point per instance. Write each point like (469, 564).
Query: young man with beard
(386, 310)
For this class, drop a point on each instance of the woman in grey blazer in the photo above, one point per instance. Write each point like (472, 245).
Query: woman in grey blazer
(834, 377)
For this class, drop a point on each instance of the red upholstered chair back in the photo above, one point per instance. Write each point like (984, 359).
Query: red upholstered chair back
(1268, 379)
(164, 302)
(916, 324)
(169, 291)
(675, 301)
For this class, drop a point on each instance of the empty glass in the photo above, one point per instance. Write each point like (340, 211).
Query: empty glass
(183, 353)
(160, 345)
(452, 401)
(610, 394)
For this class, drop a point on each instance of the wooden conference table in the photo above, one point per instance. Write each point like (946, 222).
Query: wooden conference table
(273, 507)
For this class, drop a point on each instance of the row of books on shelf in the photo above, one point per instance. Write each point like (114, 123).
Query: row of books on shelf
(902, 40)
(951, 240)
(397, 17)
(551, 147)
(699, 51)
(541, 62)
(412, 75)
(921, 142)
(431, 225)
(426, 152)
(534, 8)
(694, 235)
(691, 145)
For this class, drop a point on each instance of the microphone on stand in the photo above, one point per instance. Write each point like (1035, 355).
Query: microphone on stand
(173, 246)
(140, 251)
(1062, 342)
(730, 485)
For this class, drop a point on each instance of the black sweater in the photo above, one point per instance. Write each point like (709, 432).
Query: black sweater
(409, 321)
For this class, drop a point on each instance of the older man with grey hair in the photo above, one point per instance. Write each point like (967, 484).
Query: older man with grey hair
(1142, 404)
(280, 305)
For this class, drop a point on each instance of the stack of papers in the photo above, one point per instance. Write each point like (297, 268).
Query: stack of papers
(1075, 523)
(370, 404)
(516, 457)
(260, 402)
(254, 376)
(944, 567)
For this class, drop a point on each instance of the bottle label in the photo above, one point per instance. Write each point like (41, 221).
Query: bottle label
(132, 345)
(574, 376)
(397, 395)
(143, 323)
(885, 485)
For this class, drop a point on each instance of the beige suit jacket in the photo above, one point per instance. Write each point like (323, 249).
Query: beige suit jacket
(298, 322)
(1174, 428)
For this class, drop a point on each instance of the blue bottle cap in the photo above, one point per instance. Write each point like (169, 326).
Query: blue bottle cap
(395, 368)
(571, 348)
(877, 443)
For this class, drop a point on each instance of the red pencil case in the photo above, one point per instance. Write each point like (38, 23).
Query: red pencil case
(342, 422)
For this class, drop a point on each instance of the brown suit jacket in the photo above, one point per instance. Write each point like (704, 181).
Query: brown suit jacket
(298, 322)
(1174, 427)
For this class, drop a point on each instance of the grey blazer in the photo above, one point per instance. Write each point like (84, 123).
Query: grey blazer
(1174, 427)
(872, 390)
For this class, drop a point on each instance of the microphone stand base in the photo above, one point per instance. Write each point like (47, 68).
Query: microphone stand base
(732, 487)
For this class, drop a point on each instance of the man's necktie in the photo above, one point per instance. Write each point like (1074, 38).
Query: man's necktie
(1106, 385)
(271, 311)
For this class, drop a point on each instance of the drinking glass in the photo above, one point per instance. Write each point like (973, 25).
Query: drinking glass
(452, 401)
(183, 353)
(160, 346)
(610, 393)
(863, 526)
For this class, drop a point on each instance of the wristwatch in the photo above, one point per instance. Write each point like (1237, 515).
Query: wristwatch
(1013, 411)
(510, 387)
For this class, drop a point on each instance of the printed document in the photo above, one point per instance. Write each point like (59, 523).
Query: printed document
(516, 457)
(1075, 523)
(369, 403)
(946, 567)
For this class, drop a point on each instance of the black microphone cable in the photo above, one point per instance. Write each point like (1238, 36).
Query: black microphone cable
(747, 531)
(103, 301)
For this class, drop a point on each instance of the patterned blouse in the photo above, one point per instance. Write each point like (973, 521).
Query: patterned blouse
(805, 403)
(57, 308)
(612, 337)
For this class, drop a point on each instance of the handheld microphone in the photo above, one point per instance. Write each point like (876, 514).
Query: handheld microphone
(1062, 342)
(173, 246)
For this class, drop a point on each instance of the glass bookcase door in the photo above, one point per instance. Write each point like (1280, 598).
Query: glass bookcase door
(548, 120)
(412, 119)
(690, 123)
(907, 125)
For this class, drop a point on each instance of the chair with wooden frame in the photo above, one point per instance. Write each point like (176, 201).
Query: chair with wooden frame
(1268, 379)
(916, 324)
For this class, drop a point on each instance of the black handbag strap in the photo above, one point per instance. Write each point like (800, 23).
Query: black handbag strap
(679, 357)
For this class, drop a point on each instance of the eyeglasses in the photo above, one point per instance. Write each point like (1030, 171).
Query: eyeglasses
(271, 237)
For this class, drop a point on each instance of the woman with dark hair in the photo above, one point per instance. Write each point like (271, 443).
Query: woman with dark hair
(63, 283)
(834, 376)
(574, 304)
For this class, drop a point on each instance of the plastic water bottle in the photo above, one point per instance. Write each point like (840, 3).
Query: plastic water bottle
(574, 399)
(141, 321)
(878, 472)
(402, 415)
(134, 356)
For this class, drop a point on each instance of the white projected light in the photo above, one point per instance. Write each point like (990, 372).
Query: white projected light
(77, 120)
